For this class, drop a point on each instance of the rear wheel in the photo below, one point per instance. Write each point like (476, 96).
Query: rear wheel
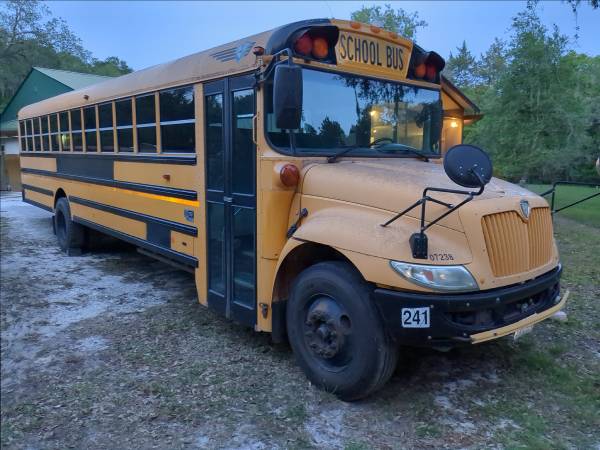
(336, 332)
(70, 235)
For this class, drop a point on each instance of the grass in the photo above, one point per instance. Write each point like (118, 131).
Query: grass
(176, 375)
(587, 212)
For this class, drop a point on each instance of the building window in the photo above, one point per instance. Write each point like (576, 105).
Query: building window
(65, 135)
(177, 124)
(89, 121)
(105, 122)
(145, 116)
(76, 130)
(124, 125)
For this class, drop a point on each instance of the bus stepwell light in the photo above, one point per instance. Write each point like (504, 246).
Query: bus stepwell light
(289, 175)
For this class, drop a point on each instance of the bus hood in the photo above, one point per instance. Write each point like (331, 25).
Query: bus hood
(393, 184)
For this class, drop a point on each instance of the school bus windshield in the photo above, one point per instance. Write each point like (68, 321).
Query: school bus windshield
(341, 110)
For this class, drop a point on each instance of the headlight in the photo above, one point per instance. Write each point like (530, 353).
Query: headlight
(441, 278)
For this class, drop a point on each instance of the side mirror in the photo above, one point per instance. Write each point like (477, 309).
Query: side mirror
(468, 166)
(287, 96)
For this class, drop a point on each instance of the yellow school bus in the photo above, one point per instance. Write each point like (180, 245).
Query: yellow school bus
(312, 178)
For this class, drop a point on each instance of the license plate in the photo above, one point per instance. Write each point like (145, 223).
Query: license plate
(415, 317)
(522, 332)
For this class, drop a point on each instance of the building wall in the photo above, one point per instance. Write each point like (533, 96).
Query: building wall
(10, 168)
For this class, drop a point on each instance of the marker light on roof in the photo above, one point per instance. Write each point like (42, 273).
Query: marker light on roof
(320, 48)
(304, 45)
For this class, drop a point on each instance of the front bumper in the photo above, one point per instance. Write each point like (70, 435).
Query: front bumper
(472, 317)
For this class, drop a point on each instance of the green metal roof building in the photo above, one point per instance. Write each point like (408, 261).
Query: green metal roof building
(39, 84)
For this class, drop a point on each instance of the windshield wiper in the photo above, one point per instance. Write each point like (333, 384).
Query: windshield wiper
(395, 147)
(345, 149)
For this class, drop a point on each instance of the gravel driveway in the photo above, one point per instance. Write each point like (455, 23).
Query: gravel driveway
(111, 350)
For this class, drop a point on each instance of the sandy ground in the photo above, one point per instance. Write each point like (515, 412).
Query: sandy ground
(111, 350)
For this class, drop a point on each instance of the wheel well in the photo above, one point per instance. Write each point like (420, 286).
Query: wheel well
(295, 262)
(59, 194)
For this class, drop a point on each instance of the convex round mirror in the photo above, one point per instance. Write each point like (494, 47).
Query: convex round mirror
(468, 166)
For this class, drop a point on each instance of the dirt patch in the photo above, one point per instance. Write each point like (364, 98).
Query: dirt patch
(112, 350)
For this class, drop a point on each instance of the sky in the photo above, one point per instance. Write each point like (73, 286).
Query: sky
(147, 33)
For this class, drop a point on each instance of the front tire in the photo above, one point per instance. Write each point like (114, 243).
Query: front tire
(336, 332)
(70, 235)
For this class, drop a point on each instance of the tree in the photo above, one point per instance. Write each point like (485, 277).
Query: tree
(399, 21)
(462, 68)
(492, 63)
(541, 110)
(29, 35)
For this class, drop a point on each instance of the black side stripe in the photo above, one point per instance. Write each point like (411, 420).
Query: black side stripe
(175, 226)
(39, 205)
(163, 159)
(167, 253)
(149, 188)
(38, 189)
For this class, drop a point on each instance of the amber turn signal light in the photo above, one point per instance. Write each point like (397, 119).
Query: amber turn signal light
(289, 175)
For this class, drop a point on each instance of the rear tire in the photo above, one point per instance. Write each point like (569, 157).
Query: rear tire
(336, 332)
(70, 235)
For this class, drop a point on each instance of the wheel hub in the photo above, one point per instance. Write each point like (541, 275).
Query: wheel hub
(323, 328)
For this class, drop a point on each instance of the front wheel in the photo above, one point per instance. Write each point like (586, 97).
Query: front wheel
(336, 332)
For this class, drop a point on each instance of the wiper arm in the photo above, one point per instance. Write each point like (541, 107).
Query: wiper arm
(345, 149)
(348, 148)
(402, 148)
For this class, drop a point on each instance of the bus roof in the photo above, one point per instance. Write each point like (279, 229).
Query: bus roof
(225, 60)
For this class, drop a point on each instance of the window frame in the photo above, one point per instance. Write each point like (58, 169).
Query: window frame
(131, 127)
(297, 151)
(104, 129)
(180, 121)
(157, 149)
(85, 130)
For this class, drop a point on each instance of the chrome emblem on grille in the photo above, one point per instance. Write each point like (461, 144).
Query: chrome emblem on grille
(524, 204)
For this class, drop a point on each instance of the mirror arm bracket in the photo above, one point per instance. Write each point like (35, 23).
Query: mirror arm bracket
(261, 77)
(418, 241)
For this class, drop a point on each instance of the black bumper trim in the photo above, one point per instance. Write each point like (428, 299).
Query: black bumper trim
(500, 307)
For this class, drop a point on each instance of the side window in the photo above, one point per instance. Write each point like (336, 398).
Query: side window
(76, 130)
(89, 118)
(29, 128)
(45, 135)
(37, 140)
(145, 116)
(23, 131)
(54, 132)
(124, 125)
(215, 152)
(105, 122)
(65, 135)
(177, 120)
(242, 112)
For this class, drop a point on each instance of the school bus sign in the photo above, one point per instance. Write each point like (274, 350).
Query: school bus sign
(380, 56)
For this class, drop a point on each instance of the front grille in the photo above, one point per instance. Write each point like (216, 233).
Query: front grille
(515, 245)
